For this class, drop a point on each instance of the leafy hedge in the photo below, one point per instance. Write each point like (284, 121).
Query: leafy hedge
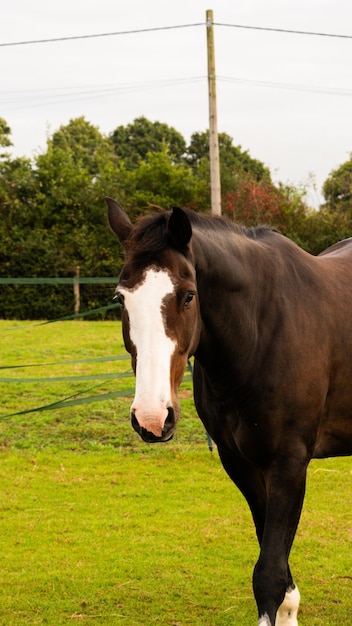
(53, 213)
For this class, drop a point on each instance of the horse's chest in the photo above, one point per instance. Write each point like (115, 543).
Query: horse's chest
(234, 421)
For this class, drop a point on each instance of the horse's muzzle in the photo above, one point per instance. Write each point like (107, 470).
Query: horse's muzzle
(148, 436)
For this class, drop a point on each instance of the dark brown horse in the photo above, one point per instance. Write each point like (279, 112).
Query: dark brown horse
(270, 327)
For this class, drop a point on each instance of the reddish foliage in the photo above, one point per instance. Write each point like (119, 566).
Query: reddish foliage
(253, 203)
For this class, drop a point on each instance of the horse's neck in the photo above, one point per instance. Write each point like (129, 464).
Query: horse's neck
(224, 262)
(232, 295)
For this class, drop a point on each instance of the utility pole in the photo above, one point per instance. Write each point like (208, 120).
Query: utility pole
(213, 124)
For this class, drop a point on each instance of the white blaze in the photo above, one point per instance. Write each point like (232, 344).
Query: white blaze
(154, 349)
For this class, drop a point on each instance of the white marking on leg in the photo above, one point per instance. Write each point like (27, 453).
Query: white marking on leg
(264, 620)
(154, 349)
(287, 611)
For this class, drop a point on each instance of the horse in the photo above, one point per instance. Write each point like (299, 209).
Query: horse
(270, 329)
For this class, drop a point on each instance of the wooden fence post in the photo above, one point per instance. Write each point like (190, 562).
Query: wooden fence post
(76, 290)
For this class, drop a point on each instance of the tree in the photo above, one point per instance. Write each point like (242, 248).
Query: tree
(85, 143)
(75, 173)
(235, 164)
(337, 189)
(231, 157)
(56, 218)
(17, 193)
(133, 142)
(333, 222)
(158, 181)
(17, 198)
(261, 202)
(53, 215)
(323, 228)
(5, 133)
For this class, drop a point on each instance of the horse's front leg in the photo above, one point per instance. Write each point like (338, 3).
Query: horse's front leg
(277, 597)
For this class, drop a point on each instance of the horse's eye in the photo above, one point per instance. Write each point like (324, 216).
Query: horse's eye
(188, 299)
(120, 299)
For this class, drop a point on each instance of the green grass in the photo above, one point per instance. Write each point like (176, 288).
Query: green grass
(110, 539)
(96, 527)
(90, 426)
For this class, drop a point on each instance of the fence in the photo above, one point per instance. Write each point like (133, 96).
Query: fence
(85, 396)
(38, 303)
(74, 399)
(80, 397)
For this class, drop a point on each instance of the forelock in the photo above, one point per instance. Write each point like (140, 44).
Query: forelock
(149, 235)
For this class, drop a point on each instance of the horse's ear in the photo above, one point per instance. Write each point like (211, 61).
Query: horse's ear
(119, 221)
(179, 228)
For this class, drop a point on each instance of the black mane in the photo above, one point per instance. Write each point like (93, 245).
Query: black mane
(150, 232)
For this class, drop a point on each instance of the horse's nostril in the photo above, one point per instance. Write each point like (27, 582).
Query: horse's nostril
(135, 423)
(169, 422)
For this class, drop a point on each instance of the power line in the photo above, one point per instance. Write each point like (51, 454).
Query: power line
(284, 30)
(334, 91)
(122, 32)
(24, 99)
(42, 97)
(161, 28)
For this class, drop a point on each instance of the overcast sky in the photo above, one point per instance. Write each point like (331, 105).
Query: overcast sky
(286, 98)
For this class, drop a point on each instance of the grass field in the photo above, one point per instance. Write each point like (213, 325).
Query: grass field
(96, 527)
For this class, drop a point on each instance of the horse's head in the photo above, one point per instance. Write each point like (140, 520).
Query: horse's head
(160, 316)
